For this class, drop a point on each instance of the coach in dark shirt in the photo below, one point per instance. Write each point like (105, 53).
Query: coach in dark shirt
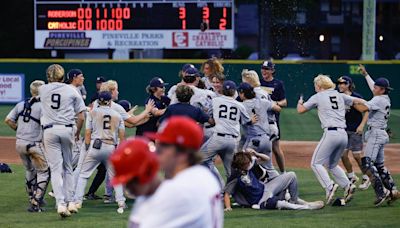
(276, 90)
(156, 89)
(184, 108)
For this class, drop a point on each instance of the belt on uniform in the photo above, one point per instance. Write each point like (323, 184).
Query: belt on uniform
(209, 126)
(370, 128)
(51, 125)
(332, 128)
(271, 122)
(223, 135)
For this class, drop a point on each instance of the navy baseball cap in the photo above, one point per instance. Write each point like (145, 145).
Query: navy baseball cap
(73, 73)
(157, 82)
(245, 87)
(100, 79)
(191, 72)
(384, 83)
(125, 104)
(268, 65)
(345, 79)
(187, 66)
(229, 85)
(104, 96)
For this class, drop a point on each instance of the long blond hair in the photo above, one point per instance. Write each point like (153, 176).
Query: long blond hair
(324, 82)
(34, 87)
(108, 86)
(251, 77)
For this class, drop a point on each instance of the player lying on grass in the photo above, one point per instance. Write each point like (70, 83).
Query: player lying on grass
(249, 186)
(24, 118)
(376, 136)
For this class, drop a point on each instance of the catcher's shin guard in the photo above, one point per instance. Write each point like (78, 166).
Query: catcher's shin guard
(30, 186)
(372, 172)
(386, 178)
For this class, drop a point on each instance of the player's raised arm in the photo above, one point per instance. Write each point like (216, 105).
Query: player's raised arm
(370, 81)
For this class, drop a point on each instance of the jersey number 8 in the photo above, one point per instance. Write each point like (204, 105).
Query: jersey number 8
(223, 112)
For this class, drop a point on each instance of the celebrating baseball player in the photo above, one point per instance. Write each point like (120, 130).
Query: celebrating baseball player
(24, 118)
(228, 115)
(61, 105)
(355, 123)
(104, 129)
(249, 186)
(331, 111)
(377, 137)
(209, 68)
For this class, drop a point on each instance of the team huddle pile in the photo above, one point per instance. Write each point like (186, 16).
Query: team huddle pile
(182, 133)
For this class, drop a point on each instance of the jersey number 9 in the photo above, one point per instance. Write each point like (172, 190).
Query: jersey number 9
(56, 99)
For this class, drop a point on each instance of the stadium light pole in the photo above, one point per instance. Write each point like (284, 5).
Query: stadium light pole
(263, 29)
(368, 34)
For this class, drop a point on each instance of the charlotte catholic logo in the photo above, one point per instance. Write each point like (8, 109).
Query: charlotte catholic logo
(180, 39)
(67, 40)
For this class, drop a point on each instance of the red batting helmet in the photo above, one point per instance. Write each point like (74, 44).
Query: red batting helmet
(134, 158)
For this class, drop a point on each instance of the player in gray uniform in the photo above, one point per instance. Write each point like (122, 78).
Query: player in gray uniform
(24, 118)
(104, 129)
(377, 137)
(61, 106)
(258, 134)
(228, 114)
(331, 112)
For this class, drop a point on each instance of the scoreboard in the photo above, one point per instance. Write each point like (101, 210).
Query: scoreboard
(133, 24)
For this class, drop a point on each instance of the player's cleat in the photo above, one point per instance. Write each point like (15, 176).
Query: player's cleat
(63, 211)
(78, 205)
(354, 179)
(72, 208)
(91, 196)
(34, 208)
(394, 195)
(380, 199)
(331, 193)
(51, 194)
(364, 184)
(108, 199)
(315, 205)
(349, 191)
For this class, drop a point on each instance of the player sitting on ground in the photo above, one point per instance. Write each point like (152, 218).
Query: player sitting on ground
(24, 118)
(104, 129)
(248, 186)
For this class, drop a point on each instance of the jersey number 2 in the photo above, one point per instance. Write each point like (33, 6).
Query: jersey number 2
(106, 123)
(334, 102)
(56, 99)
(223, 112)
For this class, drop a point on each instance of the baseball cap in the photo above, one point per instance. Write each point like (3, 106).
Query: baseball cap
(245, 87)
(345, 79)
(191, 72)
(229, 85)
(104, 96)
(179, 130)
(157, 82)
(187, 66)
(73, 73)
(134, 158)
(384, 83)
(268, 65)
(100, 79)
(125, 104)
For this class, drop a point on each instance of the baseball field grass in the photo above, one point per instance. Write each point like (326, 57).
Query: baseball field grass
(294, 126)
(360, 212)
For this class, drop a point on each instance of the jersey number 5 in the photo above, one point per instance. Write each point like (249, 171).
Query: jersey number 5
(106, 123)
(56, 99)
(334, 102)
(223, 112)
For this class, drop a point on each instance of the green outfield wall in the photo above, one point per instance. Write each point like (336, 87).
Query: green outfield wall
(133, 75)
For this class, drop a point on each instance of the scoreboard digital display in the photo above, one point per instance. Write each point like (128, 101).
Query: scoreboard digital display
(133, 24)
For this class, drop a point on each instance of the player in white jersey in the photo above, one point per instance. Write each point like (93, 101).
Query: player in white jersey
(191, 195)
(24, 118)
(62, 120)
(104, 129)
(377, 137)
(258, 134)
(228, 115)
(331, 112)
(251, 77)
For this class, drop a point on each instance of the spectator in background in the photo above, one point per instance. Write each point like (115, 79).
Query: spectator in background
(99, 80)
(276, 90)
(209, 68)
(156, 91)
